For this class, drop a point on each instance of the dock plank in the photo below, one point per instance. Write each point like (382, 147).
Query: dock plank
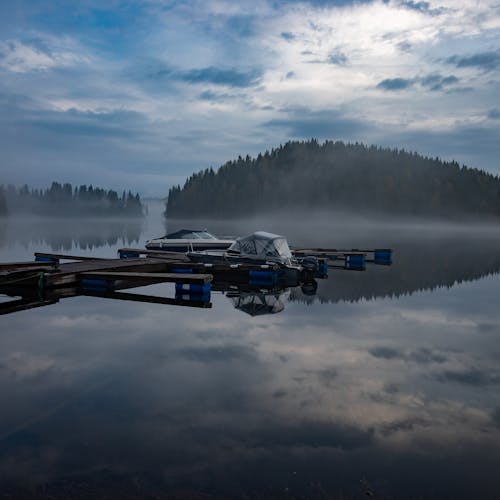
(150, 299)
(66, 256)
(180, 256)
(14, 266)
(198, 279)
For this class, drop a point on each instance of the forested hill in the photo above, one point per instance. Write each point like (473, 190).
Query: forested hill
(63, 200)
(335, 175)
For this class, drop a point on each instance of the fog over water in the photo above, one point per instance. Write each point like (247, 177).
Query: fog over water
(384, 383)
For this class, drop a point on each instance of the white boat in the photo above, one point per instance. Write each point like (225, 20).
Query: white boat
(187, 240)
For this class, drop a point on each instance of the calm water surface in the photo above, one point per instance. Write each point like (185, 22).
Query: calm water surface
(384, 384)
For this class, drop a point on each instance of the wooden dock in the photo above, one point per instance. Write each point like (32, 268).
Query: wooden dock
(70, 273)
(54, 276)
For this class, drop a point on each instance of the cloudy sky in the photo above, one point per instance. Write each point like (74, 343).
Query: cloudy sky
(139, 94)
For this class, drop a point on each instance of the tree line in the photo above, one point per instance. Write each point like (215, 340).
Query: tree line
(337, 175)
(64, 200)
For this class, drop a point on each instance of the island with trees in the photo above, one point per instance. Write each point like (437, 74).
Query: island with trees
(338, 176)
(64, 200)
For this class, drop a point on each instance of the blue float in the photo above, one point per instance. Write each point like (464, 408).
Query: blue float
(193, 289)
(382, 256)
(193, 297)
(322, 268)
(263, 278)
(355, 261)
(39, 258)
(96, 284)
(128, 255)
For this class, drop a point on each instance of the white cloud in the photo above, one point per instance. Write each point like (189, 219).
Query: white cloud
(315, 58)
(42, 55)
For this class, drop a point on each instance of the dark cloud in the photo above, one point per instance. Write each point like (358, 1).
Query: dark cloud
(337, 58)
(495, 416)
(220, 76)
(421, 356)
(279, 393)
(18, 110)
(219, 353)
(406, 425)
(385, 352)
(395, 84)
(423, 7)
(494, 114)
(327, 376)
(435, 81)
(209, 95)
(483, 60)
(425, 356)
(404, 46)
(287, 35)
(391, 388)
(158, 70)
(473, 377)
(304, 123)
(487, 327)
(242, 26)
(314, 434)
(330, 3)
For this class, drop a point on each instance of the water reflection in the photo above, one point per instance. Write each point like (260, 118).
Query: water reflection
(259, 302)
(336, 396)
(61, 234)
(417, 266)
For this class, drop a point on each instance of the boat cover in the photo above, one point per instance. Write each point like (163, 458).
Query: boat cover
(262, 244)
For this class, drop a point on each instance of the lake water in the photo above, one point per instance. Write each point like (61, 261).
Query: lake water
(385, 383)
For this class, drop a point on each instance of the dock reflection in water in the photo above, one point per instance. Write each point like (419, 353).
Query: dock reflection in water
(385, 383)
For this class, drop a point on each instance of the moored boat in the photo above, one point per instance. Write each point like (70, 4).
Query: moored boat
(186, 240)
(257, 248)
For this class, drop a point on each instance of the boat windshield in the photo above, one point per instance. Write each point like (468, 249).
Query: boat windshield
(186, 234)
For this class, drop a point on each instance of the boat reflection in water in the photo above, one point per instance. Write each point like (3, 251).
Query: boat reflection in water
(259, 302)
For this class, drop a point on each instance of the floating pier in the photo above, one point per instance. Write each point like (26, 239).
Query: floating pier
(52, 276)
(353, 259)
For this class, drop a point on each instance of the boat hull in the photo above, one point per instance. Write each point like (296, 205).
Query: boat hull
(290, 273)
(187, 246)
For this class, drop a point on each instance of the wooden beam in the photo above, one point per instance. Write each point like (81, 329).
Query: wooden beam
(65, 256)
(188, 278)
(315, 252)
(7, 266)
(156, 253)
(151, 299)
(24, 276)
(13, 306)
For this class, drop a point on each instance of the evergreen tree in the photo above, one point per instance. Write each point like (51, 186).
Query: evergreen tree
(335, 175)
(61, 200)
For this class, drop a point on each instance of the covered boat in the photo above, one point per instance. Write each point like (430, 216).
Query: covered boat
(186, 240)
(264, 246)
(259, 248)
